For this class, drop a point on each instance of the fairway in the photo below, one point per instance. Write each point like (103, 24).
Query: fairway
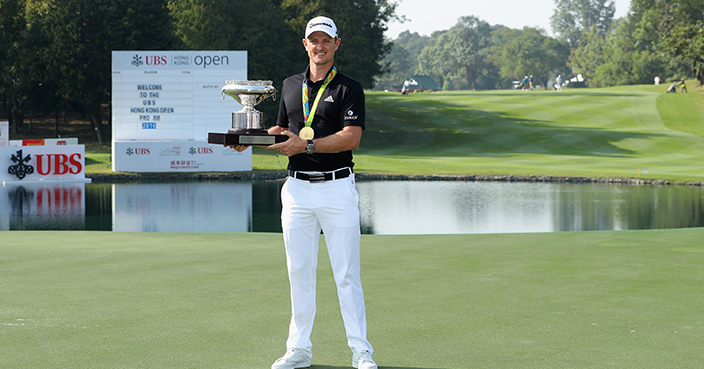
(220, 300)
(626, 132)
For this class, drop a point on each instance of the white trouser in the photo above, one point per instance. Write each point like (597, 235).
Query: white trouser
(332, 206)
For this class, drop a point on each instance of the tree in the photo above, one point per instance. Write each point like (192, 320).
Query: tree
(572, 17)
(459, 55)
(397, 66)
(430, 60)
(273, 51)
(14, 73)
(361, 25)
(586, 58)
(529, 52)
(687, 41)
(82, 34)
(252, 25)
(402, 59)
(676, 27)
(627, 62)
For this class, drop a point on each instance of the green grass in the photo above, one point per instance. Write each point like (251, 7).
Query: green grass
(622, 132)
(630, 131)
(560, 300)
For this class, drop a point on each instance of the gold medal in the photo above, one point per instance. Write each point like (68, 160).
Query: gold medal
(306, 133)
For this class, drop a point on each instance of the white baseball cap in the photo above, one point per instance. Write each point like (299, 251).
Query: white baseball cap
(323, 24)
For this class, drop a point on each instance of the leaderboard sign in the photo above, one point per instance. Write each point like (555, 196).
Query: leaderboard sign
(165, 103)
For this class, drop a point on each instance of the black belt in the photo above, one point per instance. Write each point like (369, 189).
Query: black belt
(321, 177)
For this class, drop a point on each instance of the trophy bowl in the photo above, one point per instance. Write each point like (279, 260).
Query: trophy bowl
(248, 94)
(247, 124)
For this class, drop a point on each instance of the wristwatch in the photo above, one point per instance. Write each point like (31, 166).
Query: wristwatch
(310, 147)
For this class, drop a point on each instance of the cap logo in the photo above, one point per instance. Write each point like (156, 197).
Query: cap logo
(319, 24)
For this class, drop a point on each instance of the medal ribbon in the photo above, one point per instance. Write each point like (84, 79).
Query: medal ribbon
(309, 113)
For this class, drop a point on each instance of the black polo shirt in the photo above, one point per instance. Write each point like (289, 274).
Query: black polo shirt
(341, 105)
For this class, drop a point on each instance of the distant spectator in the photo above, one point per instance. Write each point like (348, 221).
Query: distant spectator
(683, 87)
(657, 80)
(530, 81)
(525, 83)
(558, 82)
(406, 86)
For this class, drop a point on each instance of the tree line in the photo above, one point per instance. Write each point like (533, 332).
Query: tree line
(663, 38)
(55, 55)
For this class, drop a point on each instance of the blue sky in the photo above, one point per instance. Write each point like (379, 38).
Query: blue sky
(427, 16)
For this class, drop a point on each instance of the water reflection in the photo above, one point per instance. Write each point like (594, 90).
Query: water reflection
(387, 207)
(182, 207)
(42, 206)
(500, 207)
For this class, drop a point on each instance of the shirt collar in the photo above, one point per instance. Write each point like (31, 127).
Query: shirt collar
(307, 74)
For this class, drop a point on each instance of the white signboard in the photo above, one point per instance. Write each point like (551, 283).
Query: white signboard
(5, 133)
(177, 156)
(173, 99)
(22, 164)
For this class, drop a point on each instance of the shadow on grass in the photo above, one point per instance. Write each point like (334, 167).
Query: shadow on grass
(443, 128)
(90, 161)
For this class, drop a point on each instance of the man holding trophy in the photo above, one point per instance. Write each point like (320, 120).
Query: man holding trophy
(322, 112)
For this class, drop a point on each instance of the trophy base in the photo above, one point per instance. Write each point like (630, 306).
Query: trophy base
(249, 137)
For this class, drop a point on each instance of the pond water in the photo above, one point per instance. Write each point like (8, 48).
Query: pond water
(387, 207)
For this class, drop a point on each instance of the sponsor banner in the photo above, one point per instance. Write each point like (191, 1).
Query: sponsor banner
(45, 142)
(148, 60)
(177, 156)
(4, 133)
(182, 207)
(172, 95)
(42, 163)
(60, 141)
(37, 205)
(33, 142)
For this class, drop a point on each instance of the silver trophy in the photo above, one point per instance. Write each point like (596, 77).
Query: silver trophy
(247, 124)
(248, 94)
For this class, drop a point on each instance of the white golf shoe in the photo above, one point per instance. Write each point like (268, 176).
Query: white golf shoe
(363, 360)
(293, 359)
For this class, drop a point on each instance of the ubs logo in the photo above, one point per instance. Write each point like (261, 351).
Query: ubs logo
(22, 168)
(156, 60)
(200, 150)
(149, 60)
(138, 151)
(137, 61)
(47, 164)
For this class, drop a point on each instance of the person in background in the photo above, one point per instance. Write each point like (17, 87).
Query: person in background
(683, 86)
(406, 86)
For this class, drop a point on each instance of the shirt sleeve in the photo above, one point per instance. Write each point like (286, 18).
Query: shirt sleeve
(282, 118)
(353, 111)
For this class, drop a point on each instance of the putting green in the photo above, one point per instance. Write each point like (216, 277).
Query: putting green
(220, 300)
